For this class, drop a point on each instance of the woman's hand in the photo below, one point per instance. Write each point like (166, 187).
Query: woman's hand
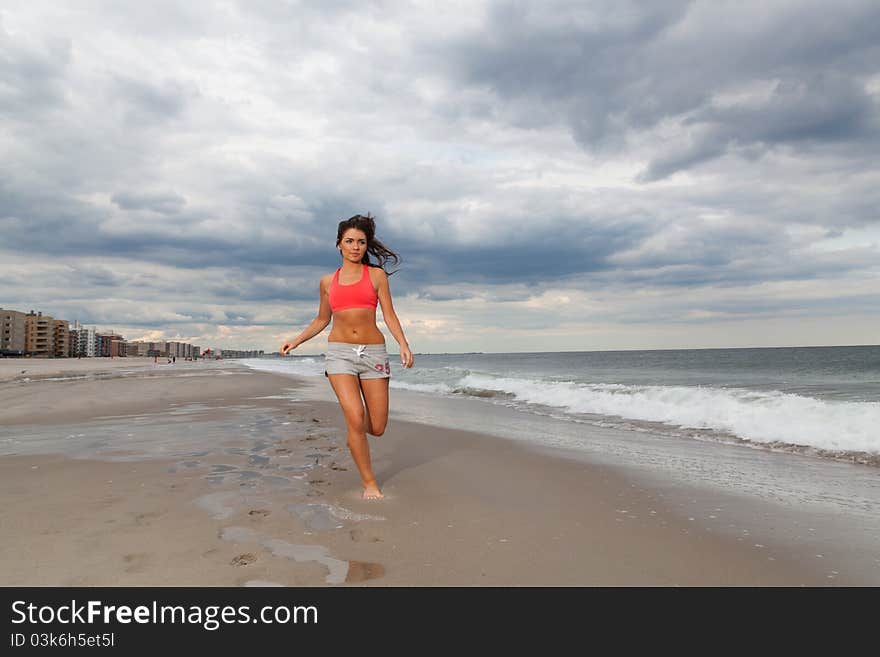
(287, 346)
(406, 357)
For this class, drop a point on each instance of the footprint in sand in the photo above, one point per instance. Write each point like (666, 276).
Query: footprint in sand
(136, 563)
(358, 536)
(317, 481)
(336, 466)
(358, 571)
(258, 513)
(142, 519)
(243, 559)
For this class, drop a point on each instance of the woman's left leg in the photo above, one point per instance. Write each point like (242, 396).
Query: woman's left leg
(375, 393)
(349, 394)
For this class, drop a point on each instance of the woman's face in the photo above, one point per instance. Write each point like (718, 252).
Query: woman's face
(353, 245)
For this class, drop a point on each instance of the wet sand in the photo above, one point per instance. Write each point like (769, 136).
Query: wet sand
(209, 474)
(39, 368)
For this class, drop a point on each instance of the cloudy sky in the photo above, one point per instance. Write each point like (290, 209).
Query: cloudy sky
(555, 175)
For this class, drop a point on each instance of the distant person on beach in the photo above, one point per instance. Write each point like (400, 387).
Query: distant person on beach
(356, 362)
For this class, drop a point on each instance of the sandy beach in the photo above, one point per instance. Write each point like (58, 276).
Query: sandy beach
(211, 474)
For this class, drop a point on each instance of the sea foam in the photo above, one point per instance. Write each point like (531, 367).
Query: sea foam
(760, 416)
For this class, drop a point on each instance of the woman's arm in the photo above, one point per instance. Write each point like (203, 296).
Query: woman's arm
(318, 324)
(391, 321)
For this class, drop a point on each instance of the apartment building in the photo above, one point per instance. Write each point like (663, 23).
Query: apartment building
(238, 353)
(73, 347)
(87, 340)
(12, 333)
(82, 340)
(137, 348)
(39, 335)
(169, 349)
(73, 343)
(60, 338)
(110, 344)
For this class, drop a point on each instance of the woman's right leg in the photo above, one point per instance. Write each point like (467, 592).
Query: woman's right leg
(348, 392)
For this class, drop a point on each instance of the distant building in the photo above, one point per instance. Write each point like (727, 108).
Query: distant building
(235, 353)
(82, 340)
(73, 343)
(39, 335)
(110, 344)
(137, 348)
(61, 338)
(117, 346)
(12, 333)
(87, 342)
(169, 349)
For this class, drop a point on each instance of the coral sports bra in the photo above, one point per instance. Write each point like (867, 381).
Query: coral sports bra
(357, 295)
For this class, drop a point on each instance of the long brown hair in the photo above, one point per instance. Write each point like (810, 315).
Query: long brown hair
(367, 225)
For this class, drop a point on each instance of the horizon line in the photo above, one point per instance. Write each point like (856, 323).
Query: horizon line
(581, 351)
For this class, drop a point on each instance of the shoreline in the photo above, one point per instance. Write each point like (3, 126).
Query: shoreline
(232, 478)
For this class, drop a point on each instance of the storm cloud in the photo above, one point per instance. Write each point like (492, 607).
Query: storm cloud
(647, 174)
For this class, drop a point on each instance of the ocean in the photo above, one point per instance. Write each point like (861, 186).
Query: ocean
(822, 401)
(792, 432)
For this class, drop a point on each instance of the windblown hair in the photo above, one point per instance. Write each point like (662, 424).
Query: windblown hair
(374, 247)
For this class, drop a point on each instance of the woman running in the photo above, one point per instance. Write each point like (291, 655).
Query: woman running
(356, 361)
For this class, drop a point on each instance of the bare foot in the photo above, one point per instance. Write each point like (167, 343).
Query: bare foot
(372, 492)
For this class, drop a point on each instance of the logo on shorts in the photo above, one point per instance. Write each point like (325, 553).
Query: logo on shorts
(386, 367)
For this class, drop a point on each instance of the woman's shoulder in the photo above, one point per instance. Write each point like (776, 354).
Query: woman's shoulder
(377, 273)
(326, 279)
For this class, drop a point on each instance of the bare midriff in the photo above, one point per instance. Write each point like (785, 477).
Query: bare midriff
(356, 326)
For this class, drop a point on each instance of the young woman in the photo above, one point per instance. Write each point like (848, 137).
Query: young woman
(356, 361)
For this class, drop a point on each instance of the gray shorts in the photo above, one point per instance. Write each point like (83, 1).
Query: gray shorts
(366, 361)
